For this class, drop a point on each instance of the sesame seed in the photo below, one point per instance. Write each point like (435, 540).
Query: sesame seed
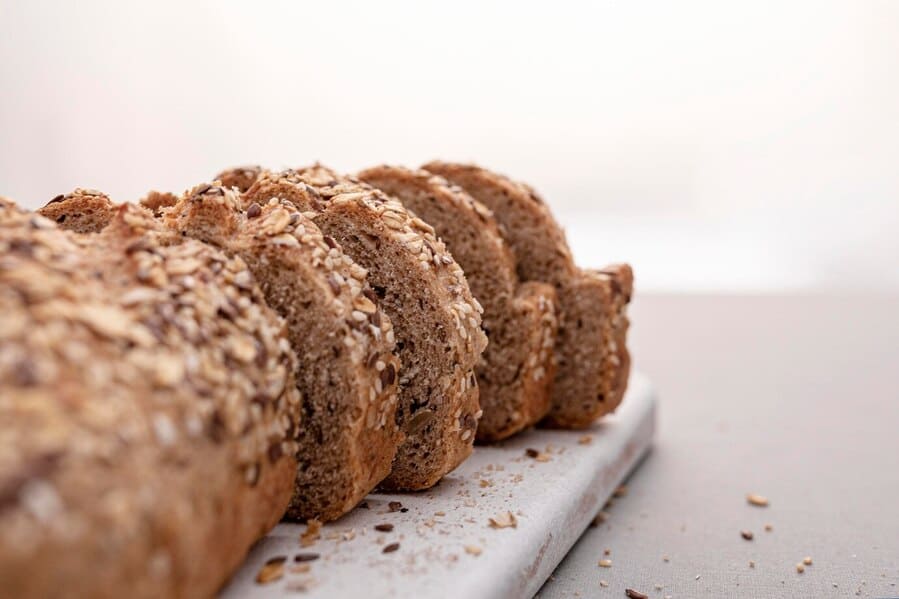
(746, 534)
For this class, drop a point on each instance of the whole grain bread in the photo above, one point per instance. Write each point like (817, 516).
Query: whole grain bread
(82, 211)
(240, 177)
(347, 370)
(423, 290)
(158, 202)
(147, 439)
(520, 320)
(592, 370)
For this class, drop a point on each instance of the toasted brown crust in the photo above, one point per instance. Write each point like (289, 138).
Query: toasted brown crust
(438, 407)
(130, 446)
(587, 372)
(82, 211)
(343, 340)
(517, 366)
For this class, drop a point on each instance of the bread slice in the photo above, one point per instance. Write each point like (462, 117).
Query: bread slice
(520, 320)
(240, 177)
(350, 435)
(588, 382)
(344, 342)
(422, 289)
(134, 438)
(158, 201)
(82, 211)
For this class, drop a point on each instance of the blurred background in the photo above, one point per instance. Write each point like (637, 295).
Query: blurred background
(735, 147)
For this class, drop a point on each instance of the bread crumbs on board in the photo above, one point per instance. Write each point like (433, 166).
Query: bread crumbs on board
(506, 520)
(271, 571)
(311, 534)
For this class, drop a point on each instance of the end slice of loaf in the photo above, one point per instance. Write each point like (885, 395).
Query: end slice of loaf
(350, 437)
(520, 321)
(422, 289)
(131, 437)
(588, 382)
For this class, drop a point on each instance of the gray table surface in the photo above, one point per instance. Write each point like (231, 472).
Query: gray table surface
(794, 398)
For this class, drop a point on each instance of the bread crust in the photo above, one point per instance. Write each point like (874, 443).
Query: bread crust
(351, 436)
(81, 211)
(343, 340)
(359, 216)
(517, 367)
(588, 382)
(141, 428)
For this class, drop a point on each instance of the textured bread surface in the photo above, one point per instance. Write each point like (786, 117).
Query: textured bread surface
(424, 292)
(350, 436)
(147, 439)
(588, 382)
(239, 177)
(346, 368)
(516, 368)
(82, 211)
(158, 202)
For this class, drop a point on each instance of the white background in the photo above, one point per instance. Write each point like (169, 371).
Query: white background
(749, 146)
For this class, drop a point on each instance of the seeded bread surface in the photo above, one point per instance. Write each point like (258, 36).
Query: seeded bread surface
(147, 441)
(158, 201)
(588, 382)
(240, 177)
(82, 211)
(423, 290)
(520, 321)
(347, 370)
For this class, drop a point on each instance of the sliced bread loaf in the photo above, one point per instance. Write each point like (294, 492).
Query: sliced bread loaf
(344, 342)
(422, 289)
(588, 381)
(350, 435)
(520, 321)
(133, 441)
